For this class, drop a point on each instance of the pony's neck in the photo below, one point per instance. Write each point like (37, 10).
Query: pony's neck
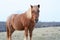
(28, 13)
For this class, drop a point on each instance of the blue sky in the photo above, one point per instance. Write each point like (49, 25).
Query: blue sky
(49, 11)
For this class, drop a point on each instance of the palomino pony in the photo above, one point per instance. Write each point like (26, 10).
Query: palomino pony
(24, 21)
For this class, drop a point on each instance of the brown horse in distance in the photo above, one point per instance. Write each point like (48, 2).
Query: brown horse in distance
(25, 21)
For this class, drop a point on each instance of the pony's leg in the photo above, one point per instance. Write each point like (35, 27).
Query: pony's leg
(30, 34)
(26, 34)
(9, 33)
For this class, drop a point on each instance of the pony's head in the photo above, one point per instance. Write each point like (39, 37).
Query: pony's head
(35, 12)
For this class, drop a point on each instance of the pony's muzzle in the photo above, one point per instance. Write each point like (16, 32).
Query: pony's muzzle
(36, 20)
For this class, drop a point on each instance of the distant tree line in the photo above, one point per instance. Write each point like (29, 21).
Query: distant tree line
(38, 25)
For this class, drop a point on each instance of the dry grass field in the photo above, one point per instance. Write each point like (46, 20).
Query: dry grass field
(48, 33)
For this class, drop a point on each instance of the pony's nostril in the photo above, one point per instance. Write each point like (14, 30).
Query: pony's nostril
(36, 20)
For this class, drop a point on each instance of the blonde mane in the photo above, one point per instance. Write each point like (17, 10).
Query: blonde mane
(28, 13)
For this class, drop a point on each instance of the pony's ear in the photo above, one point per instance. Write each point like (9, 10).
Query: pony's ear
(31, 6)
(38, 6)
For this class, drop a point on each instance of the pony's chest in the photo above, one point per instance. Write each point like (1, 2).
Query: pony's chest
(32, 23)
